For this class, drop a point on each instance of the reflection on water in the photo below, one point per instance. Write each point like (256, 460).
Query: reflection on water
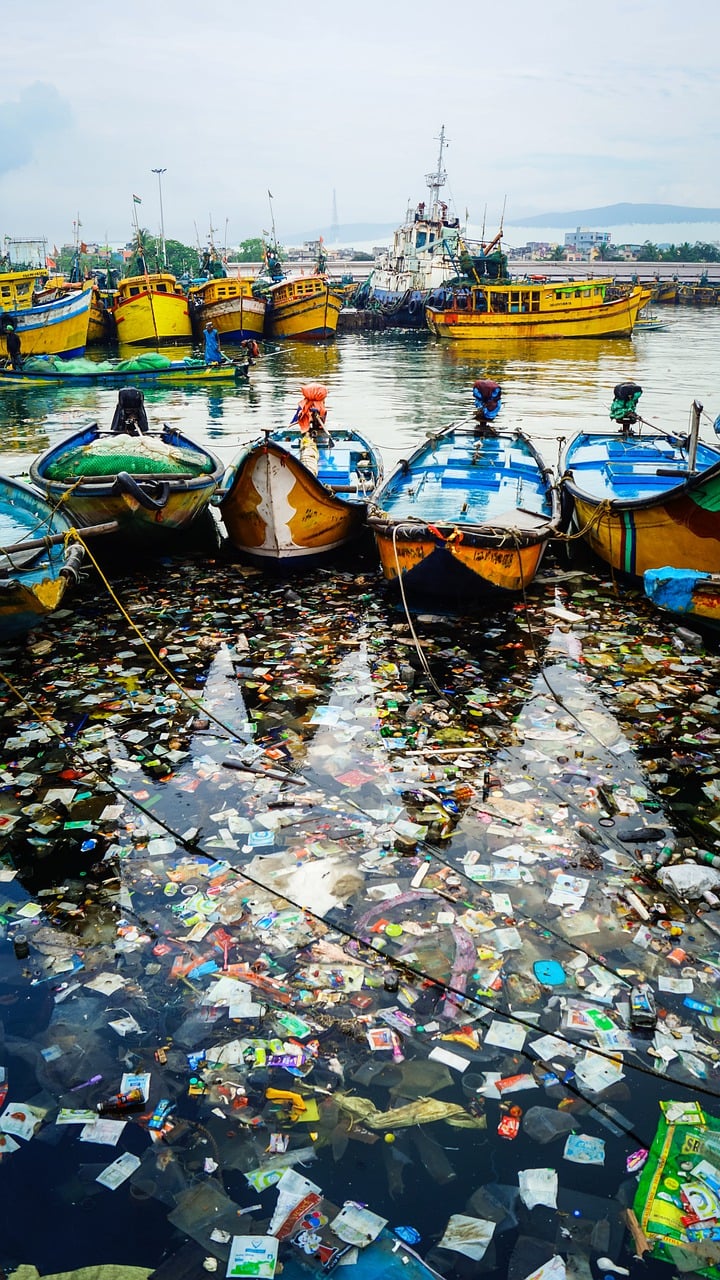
(396, 386)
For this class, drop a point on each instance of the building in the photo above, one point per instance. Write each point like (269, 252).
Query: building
(583, 241)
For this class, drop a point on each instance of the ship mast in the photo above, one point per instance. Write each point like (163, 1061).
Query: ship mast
(437, 180)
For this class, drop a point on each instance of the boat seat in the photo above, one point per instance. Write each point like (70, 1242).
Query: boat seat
(471, 480)
(633, 477)
(464, 460)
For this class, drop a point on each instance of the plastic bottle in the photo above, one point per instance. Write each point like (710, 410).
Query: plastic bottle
(129, 1101)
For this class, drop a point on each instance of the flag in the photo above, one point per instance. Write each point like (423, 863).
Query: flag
(51, 264)
(137, 200)
(270, 195)
(56, 251)
(83, 247)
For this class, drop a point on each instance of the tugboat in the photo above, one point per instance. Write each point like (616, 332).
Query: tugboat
(427, 252)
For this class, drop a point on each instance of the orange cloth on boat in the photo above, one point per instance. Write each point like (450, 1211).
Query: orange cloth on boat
(313, 401)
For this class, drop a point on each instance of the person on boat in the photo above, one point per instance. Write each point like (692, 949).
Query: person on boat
(14, 347)
(488, 397)
(213, 353)
(311, 413)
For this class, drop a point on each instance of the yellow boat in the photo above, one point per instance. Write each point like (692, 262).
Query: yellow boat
(231, 305)
(304, 307)
(151, 309)
(57, 328)
(529, 309)
(19, 289)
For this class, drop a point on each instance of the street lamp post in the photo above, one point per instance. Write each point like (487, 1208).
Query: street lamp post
(159, 173)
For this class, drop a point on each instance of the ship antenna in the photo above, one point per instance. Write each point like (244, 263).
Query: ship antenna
(438, 179)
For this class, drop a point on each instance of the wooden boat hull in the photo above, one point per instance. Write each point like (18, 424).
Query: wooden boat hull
(665, 519)
(435, 564)
(33, 582)
(177, 375)
(151, 318)
(685, 592)
(448, 523)
(307, 308)
(55, 328)
(560, 314)
(147, 504)
(231, 305)
(277, 512)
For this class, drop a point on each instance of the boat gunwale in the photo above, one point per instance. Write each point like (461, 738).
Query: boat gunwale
(383, 523)
(661, 497)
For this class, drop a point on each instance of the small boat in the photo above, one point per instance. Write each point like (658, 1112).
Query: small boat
(38, 562)
(427, 252)
(644, 498)
(530, 309)
(686, 592)
(59, 327)
(232, 306)
(300, 493)
(153, 483)
(151, 368)
(470, 513)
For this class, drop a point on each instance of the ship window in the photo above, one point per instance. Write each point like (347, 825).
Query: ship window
(6, 291)
(535, 300)
(134, 291)
(161, 288)
(421, 239)
(480, 299)
(432, 236)
(498, 301)
(587, 293)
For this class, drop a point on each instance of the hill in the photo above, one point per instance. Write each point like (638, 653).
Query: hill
(614, 215)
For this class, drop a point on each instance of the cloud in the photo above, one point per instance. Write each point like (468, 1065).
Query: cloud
(39, 112)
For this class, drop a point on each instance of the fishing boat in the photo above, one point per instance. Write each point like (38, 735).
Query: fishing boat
(300, 493)
(151, 309)
(529, 309)
(427, 251)
(230, 303)
(686, 592)
(469, 514)
(38, 562)
(302, 306)
(153, 483)
(644, 498)
(151, 368)
(50, 328)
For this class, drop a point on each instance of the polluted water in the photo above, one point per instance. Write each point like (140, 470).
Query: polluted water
(331, 941)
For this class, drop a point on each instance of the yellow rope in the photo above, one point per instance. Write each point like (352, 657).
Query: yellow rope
(199, 706)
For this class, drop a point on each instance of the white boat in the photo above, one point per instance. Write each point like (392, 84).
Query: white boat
(427, 251)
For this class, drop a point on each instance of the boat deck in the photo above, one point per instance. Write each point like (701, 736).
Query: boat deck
(470, 480)
(345, 463)
(607, 467)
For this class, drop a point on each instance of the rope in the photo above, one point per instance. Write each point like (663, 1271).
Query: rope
(194, 702)
(418, 647)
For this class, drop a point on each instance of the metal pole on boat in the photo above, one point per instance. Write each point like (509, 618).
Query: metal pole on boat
(694, 434)
(159, 173)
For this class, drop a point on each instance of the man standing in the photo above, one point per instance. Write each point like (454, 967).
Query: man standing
(213, 354)
(14, 347)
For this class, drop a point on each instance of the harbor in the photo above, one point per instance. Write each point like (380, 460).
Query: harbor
(359, 899)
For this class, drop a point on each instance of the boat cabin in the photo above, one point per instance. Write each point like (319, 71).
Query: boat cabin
(520, 297)
(18, 288)
(133, 286)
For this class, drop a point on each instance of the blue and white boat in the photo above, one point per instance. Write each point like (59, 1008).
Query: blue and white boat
(467, 516)
(427, 251)
(37, 562)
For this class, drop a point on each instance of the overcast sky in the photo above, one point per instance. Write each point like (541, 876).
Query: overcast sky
(547, 104)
